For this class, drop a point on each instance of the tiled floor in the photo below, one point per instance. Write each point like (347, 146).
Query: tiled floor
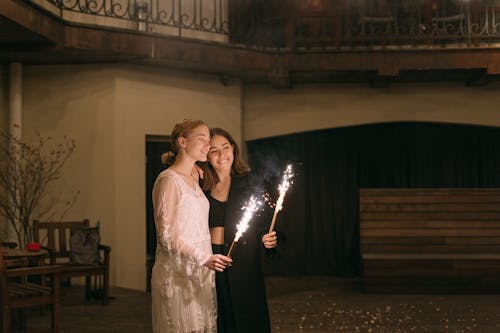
(299, 304)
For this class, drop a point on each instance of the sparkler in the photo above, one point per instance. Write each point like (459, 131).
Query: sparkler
(249, 209)
(282, 188)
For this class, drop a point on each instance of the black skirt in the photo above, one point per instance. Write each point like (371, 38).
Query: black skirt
(225, 316)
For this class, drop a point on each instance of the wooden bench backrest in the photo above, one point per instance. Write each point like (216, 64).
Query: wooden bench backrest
(433, 221)
(56, 235)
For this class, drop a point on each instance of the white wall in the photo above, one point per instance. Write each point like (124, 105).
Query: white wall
(4, 98)
(321, 106)
(151, 103)
(78, 101)
(4, 123)
(109, 110)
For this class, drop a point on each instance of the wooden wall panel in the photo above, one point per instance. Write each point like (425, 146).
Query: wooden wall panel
(411, 237)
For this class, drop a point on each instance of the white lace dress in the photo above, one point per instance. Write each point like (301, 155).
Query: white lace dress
(182, 289)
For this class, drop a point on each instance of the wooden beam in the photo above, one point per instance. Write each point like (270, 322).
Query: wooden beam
(167, 50)
(34, 20)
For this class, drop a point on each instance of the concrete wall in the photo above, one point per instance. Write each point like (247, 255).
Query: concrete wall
(4, 126)
(109, 110)
(78, 102)
(311, 107)
(151, 103)
(4, 98)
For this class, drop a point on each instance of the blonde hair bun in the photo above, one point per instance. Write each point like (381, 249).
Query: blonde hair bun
(168, 158)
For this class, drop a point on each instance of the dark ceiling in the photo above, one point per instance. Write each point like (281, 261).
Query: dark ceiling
(15, 37)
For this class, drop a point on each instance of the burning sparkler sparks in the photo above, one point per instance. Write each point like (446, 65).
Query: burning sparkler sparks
(249, 209)
(283, 187)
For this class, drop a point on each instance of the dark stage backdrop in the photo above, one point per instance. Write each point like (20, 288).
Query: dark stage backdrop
(320, 219)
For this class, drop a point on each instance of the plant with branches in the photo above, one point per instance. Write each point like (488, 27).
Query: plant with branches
(26, 170)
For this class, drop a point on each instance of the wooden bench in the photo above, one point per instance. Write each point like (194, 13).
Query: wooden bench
(55, 237)
(430, 240)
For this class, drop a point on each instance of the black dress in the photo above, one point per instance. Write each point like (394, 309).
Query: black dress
(241, 292)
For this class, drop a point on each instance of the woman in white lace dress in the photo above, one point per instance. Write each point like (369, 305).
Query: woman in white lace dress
(182, 281)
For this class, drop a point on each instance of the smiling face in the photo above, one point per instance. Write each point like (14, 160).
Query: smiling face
(197, 143)
(220, 155)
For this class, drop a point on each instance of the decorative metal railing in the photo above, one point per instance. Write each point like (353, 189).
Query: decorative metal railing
(299, 24)
(173, 17)
(403, 23)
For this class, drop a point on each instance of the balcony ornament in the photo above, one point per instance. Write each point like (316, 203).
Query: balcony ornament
(141, 14)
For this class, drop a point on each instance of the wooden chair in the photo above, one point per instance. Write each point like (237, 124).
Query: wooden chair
(18, 292)
(55, 236)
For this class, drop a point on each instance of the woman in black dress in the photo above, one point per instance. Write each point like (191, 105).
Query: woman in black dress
(241, 293)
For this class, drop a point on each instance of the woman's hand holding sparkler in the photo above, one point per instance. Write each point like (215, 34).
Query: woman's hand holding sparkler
(251, 206)
(218, 262)
(270, 240)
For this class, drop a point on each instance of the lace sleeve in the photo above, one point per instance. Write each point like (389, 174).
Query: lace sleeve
(166, 199)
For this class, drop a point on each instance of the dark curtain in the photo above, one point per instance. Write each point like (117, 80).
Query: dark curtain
(154, 150)
(320, 221)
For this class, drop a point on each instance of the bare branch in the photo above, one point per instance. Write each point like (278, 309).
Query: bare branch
(26, 171)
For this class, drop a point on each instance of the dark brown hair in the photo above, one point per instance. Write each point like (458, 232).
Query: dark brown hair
(181, 130)
(239, 167)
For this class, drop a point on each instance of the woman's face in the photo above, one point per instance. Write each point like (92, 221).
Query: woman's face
(197, 143)
(220, 155)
